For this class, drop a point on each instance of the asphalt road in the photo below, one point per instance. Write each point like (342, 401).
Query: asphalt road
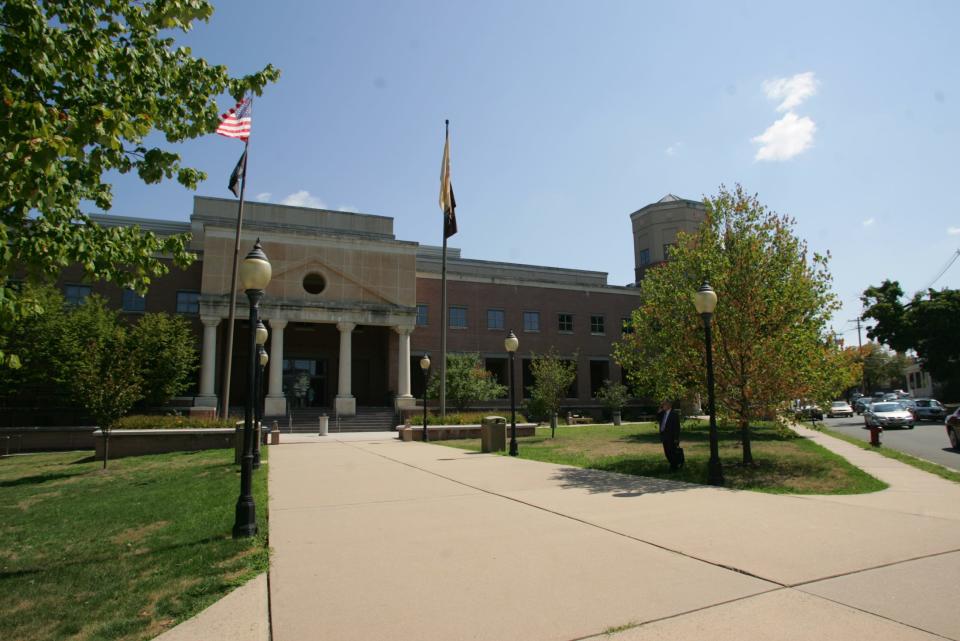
(927, 440)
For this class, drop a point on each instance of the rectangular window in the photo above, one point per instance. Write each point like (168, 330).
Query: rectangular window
(644, 257)
(134, 302)
(494, 319)
(422, 314)
(667, 248)
(531, 321)
(458, 316)
(75, 294)
(188, 302)
(565, 322)
(596, 325)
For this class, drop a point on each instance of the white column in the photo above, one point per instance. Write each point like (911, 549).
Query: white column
(208, 363)
(276, 404)
(404, 398)
(345, 403)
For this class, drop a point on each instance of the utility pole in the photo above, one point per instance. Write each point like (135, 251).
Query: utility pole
(863, 372)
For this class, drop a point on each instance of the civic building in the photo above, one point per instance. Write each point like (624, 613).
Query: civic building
(351, 308)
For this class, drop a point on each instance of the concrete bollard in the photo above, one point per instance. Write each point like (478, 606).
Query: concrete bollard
(324, 424)
(275, 434)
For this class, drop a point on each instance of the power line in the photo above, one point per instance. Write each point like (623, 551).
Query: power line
(953, 259)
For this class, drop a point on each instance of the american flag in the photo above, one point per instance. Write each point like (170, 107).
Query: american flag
(236, 122)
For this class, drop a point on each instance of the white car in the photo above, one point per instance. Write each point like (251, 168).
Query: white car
(839, 408)
(888, 414)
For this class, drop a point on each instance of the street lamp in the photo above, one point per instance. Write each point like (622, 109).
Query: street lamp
(705, 300)
(425, 367)
(511, 344)
(254, 273)
(262, 359)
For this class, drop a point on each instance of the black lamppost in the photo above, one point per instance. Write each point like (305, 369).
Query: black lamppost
(254, 273)
(258, 406)
(425, 367)
(705, 301)
(511, 344)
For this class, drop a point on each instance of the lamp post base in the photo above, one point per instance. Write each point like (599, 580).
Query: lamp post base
(245, 523)
(715, 473)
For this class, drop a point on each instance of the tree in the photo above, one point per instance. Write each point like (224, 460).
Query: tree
(769, 327)
(84, 85)
(164, 347)
(107, 378)
(552, 377)
(467, 382)
(882, 367)
(613, 396)
(928, 324)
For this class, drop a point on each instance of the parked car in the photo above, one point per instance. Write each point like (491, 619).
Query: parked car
(953, 429)
(862, 404)
(888, 414)
(810, 413)
(839, 408)
(929, 409)
(890, 396)
(908, 404)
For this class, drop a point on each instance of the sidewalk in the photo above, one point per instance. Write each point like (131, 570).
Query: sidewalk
(377, 539)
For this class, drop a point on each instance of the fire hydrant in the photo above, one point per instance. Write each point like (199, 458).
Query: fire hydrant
(875, 435)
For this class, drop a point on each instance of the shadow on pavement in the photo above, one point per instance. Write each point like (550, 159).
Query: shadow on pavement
(619, 485)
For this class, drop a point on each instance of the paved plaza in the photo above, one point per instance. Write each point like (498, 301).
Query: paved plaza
(377, 539)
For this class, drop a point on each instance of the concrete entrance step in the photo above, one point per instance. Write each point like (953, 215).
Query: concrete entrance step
(367, 419)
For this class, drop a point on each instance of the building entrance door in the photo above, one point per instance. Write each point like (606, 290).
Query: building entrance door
(305, 382)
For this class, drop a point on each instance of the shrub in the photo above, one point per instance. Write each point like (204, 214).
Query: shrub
(145, 422)
(463, 418)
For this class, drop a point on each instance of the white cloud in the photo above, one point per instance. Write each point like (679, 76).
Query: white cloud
(953, 231)
(303, 198)
(264, 196)
(674, 149)
(868, 222)
(786, 138)
(349, 208)
(791, 91)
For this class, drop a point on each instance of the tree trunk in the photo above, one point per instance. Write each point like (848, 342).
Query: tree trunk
(745, 440)
(553, 425)
(106, 447)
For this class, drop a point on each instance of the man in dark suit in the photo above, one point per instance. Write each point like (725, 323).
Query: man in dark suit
(668, 421)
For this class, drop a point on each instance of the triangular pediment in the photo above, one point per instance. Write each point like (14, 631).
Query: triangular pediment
(303, 267)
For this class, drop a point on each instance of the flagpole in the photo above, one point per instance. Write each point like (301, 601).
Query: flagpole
(228, 356)
(443, 308)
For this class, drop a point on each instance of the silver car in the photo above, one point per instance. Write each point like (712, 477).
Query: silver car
(839, 408)
(888, 414)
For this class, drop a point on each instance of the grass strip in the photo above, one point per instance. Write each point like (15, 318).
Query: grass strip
(919, 463)
(121, 554)
(784, 463)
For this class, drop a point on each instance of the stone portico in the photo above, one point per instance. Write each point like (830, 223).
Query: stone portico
(335, 269)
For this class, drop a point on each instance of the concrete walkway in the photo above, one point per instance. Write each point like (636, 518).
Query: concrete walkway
(377, 539)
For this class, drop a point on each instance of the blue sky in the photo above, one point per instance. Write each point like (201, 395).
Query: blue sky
(568, 116)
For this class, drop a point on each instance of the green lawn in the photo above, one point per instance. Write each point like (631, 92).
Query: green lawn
(121, 554)
(784, 462)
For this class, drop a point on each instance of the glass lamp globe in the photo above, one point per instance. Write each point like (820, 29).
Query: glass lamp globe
(511, 343)
(255, 270)
(705, 300)
(425, 362)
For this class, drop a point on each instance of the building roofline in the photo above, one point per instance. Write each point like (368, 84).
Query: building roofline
(679, 203)
(324, 209)
(159, 226)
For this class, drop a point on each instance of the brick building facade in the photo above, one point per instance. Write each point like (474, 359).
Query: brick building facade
(351, 309)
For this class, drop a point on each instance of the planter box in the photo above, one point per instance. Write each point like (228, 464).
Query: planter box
(45, 439)
(448, 432)
(140, 442)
